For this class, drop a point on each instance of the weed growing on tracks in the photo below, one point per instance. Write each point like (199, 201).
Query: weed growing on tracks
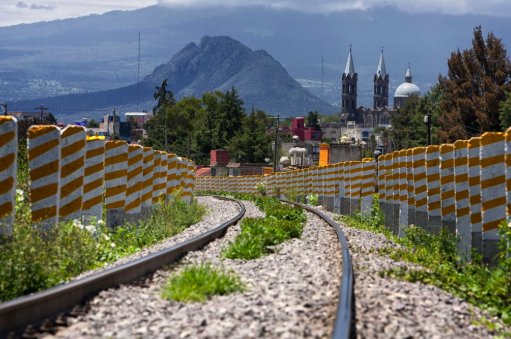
(259, 235)
(200, 281)
(489, 288)
(32, 260)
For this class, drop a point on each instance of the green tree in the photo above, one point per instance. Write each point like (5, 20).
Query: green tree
(251, 144)
(474, 88)
(92, 124)
(312, 120)
(505, 113)
(50, 119)
(408, 127)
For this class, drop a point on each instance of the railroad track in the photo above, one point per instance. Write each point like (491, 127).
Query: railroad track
(34, 310)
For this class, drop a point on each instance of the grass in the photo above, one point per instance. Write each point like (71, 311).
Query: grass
(488, 288)
(259, 236)
(199, 282)
(33, 260)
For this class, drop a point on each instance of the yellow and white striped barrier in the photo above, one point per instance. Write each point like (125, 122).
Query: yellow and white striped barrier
(462, 198)
(116, 172)
(493, 191)
(382, 193)
(156, 177)
(447, 194)
(337, 187)
(329, 188)
(93, 180)
(44, 165)
(389, 191)
(367, 191)
(508, 173)
(164, 168)
(147, 180)
(474, 182)
(171, 177)
(346, 197)
(433, 183)
(420, 187)
(403, 193)
(355, 186)
(396, 164)
(133, 207)
(410, 186)
(8, 172)
(72, 163)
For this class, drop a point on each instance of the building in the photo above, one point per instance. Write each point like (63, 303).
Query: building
(140, 117)
(28, 115)
(305, 133)
(378, 115)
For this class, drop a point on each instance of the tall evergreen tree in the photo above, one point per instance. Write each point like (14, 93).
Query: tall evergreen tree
(312, 120)
(477, 81)
(505, 113)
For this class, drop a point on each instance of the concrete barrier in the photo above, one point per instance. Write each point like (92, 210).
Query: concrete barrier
(8, 172)
(382, 193)
(420, 187)
(171, 177)
(355, 186)
(133, 209)
(493, 192)
(403, 193)
(346, 199)
(389, 184)
(44, 167)
(462, 199)
(433, 183)
(148, 179)
(367, 189)
(116, 171)
(447, 190)
(474, 181)
(93, 181)
(410, 186)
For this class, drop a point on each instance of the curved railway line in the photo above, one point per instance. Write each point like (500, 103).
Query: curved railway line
(34, 310)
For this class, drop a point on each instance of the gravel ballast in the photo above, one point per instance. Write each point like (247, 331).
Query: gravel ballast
(390, 308)
(289, 294)
(219, 211)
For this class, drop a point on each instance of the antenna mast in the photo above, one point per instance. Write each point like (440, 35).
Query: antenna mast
(321, 96)
(138, 73)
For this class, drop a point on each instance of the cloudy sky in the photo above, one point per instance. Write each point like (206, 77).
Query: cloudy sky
(14, 12)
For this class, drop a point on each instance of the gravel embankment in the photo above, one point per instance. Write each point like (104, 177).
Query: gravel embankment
(390, 308)
(290, 294)
(219, 211)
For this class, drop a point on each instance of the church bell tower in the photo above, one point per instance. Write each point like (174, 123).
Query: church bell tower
(349, 90)
(381, 85)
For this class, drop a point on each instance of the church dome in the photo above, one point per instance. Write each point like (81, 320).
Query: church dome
(406, 89)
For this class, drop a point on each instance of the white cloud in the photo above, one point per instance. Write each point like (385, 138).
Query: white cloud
(27, 11)
(455, 7)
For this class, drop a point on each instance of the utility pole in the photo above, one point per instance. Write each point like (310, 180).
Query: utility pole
(138, 73)
(276, 152)
(5, 108)
(113, 133)
(42, 108)
(321, 97)
(427, 120)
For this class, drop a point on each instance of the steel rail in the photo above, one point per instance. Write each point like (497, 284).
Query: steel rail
(35, 308)
(342, 325)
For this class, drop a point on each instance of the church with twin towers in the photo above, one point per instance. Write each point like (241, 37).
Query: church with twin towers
(379, 114)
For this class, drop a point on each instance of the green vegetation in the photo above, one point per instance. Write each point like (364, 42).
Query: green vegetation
(215, 121)
(474, 89)
(198, 282)
(93, 123)
(489, 288)
(33, 260)
(313, 199)
(259, 235)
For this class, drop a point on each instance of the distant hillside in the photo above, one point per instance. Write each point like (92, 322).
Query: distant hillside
(217, 63)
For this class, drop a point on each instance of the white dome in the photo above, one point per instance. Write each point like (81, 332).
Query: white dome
(406, 89)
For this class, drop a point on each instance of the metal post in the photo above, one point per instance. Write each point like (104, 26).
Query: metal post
(429, 127)
(42, 108)
(275, 163)
(113, 133)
